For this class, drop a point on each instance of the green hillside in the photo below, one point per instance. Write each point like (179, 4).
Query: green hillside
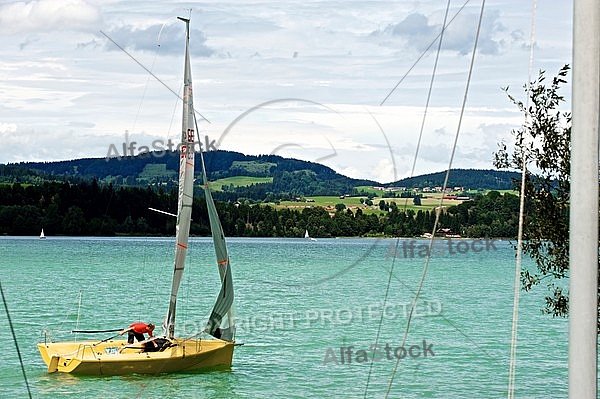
(486, 179)
(238, 181)
(235, 175)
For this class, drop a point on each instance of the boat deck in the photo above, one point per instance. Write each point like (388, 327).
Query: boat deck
(116, 357)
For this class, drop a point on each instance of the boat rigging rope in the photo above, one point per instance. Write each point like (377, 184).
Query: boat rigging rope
(425, 266)
(12, 330)
(147, 70)
(515, 316)
(68, 314)
(412, 172)
(423, 53)
(148, 79)
(78, 310)
(174, 112)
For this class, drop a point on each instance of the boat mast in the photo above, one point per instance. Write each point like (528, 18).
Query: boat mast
(583, 237)
(186, 186)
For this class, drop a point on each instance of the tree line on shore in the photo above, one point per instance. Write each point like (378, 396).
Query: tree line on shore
(90, 209)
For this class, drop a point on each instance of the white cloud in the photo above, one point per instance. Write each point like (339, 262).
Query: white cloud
(384, 171)
(169, 36)
(8, 128)
(47, 16)
(419, 32)
(26, 143)
(64, 85)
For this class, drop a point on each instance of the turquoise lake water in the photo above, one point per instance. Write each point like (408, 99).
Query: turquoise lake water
(297, 302)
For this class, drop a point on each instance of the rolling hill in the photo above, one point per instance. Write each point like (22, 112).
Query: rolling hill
(263, 176)
(487, 179)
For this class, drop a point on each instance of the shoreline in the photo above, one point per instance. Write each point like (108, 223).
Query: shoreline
(261, 237)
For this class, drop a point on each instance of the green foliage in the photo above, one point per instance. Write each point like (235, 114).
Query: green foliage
(467, 178)
(157, 170)
(104, 210)
(545, 140)
(161, 169)
(232, 183)
(267, 177)
(252, 168)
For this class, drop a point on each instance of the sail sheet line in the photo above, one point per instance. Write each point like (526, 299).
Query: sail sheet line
(453, 152)
(512, 369)
(445, 25)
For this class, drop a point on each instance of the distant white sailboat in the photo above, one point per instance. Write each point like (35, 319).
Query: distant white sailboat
(42, 235)
(308, 237)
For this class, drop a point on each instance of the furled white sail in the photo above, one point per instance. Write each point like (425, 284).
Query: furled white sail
(186, 186)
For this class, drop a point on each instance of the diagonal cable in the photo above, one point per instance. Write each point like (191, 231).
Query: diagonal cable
(149, 71)
(424, 52)
(512, 368)
(427, 259)
(12, 330)
(439, 49)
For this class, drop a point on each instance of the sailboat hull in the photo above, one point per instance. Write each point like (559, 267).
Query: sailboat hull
(114, 357)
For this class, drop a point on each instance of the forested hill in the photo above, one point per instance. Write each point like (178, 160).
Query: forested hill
(269, 176)
(285, 175)
(219, 164)
(467, 178)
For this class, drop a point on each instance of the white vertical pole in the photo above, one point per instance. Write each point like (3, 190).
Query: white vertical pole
(584, 201)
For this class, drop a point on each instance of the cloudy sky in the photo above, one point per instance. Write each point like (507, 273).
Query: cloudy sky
(303, 79)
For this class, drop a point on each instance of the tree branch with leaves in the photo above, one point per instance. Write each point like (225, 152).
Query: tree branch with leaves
(544, 140)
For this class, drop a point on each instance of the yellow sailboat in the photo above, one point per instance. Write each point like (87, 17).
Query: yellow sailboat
(167, 353)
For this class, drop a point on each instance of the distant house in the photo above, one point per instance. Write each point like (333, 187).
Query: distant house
(447, 232)
(450, 197)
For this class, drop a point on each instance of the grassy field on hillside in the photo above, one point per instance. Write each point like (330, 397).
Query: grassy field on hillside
(369, 190)
(513, 192)
(329, 203)
(238, 181)
(22, 184)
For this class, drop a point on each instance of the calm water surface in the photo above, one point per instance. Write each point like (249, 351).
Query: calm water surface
(297, 303)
